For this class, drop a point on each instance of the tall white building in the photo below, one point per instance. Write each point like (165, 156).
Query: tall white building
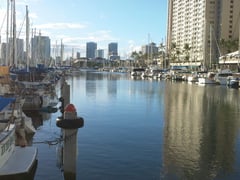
(196, 27)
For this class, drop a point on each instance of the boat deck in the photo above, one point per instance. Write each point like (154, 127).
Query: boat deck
(20, 162)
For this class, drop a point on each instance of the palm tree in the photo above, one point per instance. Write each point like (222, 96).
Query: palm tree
(178, 52)
(186, 50)
(162, 55)
(172, 52)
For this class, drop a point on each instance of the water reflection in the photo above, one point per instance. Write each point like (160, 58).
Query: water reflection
(38, 117)
(201, 127)
(98, 83)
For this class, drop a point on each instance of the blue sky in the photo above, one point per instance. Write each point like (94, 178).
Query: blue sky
(130, 23)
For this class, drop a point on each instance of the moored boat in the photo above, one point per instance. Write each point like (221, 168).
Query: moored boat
(137, 71)
(207, 78)
(233, 81)
(222, 76)
(15, 162)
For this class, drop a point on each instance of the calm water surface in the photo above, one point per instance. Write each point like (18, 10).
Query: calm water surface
(147, 129)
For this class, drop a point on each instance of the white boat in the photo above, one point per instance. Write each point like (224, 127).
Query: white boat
(193, 77)
(222, 76)
(207, 78)
(15, 162)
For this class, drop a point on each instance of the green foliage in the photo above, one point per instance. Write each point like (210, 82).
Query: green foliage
(228, 46)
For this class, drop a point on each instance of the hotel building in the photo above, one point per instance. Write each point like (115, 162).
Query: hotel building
(196, 27)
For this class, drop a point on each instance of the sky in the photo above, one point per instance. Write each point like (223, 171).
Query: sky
(130, 23)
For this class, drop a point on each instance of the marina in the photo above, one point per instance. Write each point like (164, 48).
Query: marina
(146, 129)
(166, 110)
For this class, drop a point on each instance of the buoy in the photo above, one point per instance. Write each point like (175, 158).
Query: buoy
(70, 119)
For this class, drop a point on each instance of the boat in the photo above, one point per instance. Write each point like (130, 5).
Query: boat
(207, 78)
(222, 76)
(137, 71)
(193, 77)
(16, 162)
(38, 96)
(233, 81)
(15, 111)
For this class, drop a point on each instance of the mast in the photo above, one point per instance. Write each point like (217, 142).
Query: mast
(56, 53)
(14, 52)
(239, 36)
(62, 49)
(27, 38)
(238, 42)
(148, 49)
(210, 53)
(7, 40)
(72, 56)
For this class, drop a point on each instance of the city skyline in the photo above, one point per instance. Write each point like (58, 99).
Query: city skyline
(131, 24)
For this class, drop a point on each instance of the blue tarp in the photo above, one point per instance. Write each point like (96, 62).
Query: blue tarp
(4, 101)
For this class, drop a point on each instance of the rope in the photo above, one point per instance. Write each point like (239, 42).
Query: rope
(56, 141)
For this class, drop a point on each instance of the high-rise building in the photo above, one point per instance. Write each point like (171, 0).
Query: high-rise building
(3, 53)
(196, 27)
(19, 52)
(40, 49)
(113, 49)
(90, 50)
(150, 49)
(99, 53)
(78, 55)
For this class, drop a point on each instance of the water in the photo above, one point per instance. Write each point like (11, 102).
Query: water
(146, 130)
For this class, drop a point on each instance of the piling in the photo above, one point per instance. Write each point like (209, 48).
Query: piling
(69, 123)
(65, 91)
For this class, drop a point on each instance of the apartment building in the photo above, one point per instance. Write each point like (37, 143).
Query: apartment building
(196, 27)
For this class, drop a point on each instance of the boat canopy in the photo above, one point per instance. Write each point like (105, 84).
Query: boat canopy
(5, 101)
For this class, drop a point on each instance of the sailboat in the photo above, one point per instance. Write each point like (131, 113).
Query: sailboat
(36, 81)
(15, 161)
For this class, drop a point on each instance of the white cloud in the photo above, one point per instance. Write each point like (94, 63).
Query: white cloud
(33, 15)
(61, 26)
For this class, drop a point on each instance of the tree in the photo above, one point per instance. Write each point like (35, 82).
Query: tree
(139, 57)
(178, 52)
(228, 46)
(187, 48)
(172, 51)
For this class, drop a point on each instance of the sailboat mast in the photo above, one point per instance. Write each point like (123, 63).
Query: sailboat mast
(27, 38)
(7, 40)
(14, 33)
(239, 36)
(210, 53)
(62, 49)
(239, 42)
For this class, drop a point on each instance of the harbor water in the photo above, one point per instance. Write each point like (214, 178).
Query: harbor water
(145, 129)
